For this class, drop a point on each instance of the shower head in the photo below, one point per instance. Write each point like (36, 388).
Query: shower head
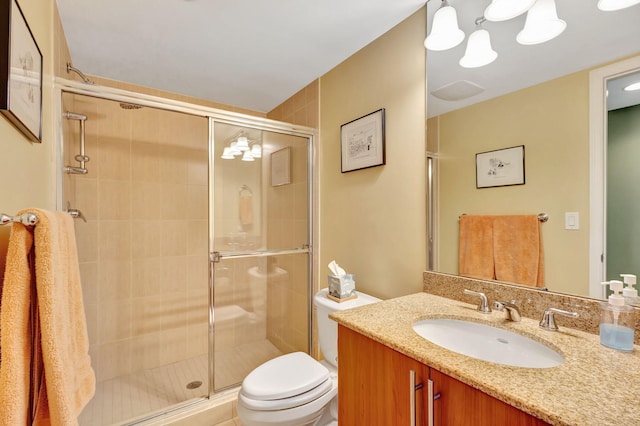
(127, 105)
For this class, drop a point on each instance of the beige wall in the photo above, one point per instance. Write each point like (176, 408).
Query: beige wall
(27, 169)
(302, 108)
(372, 221)
(552, 121)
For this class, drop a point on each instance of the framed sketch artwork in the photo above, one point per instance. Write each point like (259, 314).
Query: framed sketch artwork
(20, 72)
(501, 167)
(362, 142)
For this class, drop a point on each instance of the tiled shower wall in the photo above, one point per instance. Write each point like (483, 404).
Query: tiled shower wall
(143, 250)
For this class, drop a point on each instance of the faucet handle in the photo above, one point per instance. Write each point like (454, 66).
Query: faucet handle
(548, 321)
(483, 306)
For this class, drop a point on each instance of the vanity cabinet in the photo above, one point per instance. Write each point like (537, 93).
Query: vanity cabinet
(380, 386)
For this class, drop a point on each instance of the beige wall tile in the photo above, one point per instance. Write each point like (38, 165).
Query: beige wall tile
(114, 280)
(114, 199)
(114, 239)
(174, 237)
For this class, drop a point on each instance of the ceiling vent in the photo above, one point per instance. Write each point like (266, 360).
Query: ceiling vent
(457, 90)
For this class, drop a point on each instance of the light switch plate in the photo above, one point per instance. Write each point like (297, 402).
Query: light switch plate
(571, 220)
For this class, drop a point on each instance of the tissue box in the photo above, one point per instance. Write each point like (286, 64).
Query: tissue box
(342, 287)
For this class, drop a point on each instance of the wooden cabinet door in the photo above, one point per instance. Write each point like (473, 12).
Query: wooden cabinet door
(374, 383)
(459, 404)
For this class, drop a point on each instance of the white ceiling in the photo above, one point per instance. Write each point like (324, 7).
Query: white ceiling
(592, 37)
(247, 53)
(255, 54)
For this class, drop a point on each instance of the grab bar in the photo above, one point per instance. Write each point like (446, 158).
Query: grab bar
(82, 158)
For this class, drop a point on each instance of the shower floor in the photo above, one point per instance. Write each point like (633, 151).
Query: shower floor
(122, 399)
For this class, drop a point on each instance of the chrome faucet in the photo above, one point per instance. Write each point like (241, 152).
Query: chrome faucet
(483, 306)
(548, 321)
(513, 313)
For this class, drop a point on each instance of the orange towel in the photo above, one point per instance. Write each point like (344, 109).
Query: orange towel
(518, 250)
(475, 255)
(505, 248)
(63, 380)
(246, 210)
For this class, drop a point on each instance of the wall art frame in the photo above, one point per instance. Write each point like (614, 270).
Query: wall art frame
(281, 167)
(362, 142)
(501, 167)
(20, 72)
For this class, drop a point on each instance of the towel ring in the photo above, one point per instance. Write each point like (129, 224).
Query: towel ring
(244, 188)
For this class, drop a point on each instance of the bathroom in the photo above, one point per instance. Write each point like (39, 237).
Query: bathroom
(395, 209)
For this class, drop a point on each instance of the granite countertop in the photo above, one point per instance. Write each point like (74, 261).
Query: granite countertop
(595, 385)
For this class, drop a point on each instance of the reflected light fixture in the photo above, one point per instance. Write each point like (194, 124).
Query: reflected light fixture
(256, 151)
(479, 51)
(227, 154)
(445, 33)
(242, 143)
(247, 156)
(503, 10)
(611, 5)
(542, 23)
(632, 87)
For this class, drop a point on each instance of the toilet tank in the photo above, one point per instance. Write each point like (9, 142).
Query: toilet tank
(327, 328)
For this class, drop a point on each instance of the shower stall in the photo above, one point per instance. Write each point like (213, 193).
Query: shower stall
(194, 235)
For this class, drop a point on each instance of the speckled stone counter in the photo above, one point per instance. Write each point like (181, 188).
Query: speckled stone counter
(593, 383)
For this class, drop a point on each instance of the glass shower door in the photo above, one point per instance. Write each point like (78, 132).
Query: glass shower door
(260, 241)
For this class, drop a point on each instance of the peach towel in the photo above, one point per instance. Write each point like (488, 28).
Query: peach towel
(505, 248)
(246, 209)
(44, 328)
(475, 255)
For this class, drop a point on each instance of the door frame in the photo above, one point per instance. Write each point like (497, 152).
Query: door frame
(598, 79)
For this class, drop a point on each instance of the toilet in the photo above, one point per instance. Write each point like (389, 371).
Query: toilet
(295, 389)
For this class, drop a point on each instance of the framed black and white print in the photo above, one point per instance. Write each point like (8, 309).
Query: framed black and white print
(362, 142)
(20, 72)
(501, 167)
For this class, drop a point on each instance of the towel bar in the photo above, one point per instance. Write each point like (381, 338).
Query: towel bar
(542, 217)
(28, 219)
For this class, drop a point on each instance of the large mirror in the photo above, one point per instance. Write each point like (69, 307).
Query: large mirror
(537, 96)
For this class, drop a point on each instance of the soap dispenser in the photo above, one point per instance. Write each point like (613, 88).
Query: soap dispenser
(629, 293)
(616, 320)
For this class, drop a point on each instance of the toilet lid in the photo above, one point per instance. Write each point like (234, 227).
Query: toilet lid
(283, 377)
(286, 403)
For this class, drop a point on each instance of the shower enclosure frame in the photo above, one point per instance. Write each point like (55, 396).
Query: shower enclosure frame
(214, 116)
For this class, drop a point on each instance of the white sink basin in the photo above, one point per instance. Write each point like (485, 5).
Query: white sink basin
(487, 343)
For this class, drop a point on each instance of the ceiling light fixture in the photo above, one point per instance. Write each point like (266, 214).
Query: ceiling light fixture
(632, 87)
(503, 10)
(611, 5)
(241, 146)
(445, 33)
(479, 51)
(242, 143)
(542, 24)
(247, 156)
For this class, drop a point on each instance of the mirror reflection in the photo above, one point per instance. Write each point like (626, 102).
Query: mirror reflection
(547, 111)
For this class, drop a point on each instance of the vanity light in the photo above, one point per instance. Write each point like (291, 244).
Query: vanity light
(256, 151)
(445, 33)
(242, 144)
(479, 51)
(542, 23)
(633, 86)
(502, 10)
(611, 5)
(227, 155)
(247, 156)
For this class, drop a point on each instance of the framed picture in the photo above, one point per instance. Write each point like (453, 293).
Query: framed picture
(20, 72)
(362, 142)
(501, 167)
(281, 167)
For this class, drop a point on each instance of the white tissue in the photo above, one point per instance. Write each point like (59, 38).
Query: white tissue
(336, 269)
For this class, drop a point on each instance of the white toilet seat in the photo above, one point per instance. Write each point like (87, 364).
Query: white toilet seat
(286, 403)
(284, 377)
